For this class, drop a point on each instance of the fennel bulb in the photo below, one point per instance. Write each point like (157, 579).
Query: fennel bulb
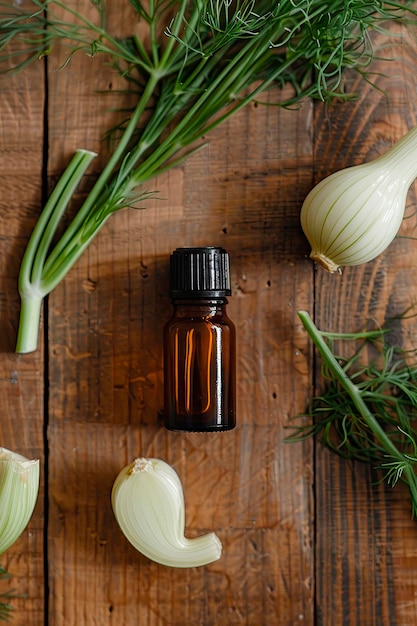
(354, 214)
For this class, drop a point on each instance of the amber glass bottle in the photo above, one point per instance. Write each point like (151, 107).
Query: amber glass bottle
(199, 343)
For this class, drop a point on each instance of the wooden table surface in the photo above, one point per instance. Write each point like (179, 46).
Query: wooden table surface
(308, 538)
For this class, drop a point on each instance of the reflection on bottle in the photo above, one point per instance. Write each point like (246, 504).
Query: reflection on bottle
(199, 349)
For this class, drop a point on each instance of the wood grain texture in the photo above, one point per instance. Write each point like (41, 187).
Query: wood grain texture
(249, 486)
(105, 342)
(364, 529)
(307, 538)
(21, 379)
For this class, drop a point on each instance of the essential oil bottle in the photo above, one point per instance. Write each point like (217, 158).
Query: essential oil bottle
(199, 343)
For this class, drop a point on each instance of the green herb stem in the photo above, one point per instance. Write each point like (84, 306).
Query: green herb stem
(72, 32)
(213, 59)
(32, 288)
(78, 222)
(347, 384)
(47, 225)
(28, 331)
(401, 461)
(30, 276)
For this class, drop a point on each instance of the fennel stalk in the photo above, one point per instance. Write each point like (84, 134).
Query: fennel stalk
(367, 412)
(206, 60)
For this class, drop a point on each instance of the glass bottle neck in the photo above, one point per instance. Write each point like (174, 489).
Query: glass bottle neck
(199, 306)
(191, 301)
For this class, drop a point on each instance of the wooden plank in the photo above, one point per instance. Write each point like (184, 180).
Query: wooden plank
(121, 352)
(105, 349)
(243, 191)
(364, 531)
(21, 377)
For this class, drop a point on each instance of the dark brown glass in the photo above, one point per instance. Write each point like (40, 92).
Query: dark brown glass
(199, 367)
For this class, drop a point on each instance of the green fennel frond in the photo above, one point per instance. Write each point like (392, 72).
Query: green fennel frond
(198, 63)
(6, 608)
(368, 409)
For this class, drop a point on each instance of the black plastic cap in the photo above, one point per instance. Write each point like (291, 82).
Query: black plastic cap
(200, 273)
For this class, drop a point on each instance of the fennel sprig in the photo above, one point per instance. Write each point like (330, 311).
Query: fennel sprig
(6, 607)
(206, 59)
(367, 411)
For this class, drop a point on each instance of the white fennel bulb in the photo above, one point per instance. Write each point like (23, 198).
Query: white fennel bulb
(354, 214)
(148, 504)
(19, 485)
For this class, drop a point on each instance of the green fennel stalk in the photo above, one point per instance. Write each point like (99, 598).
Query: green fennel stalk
(206, 60)
(367, 412)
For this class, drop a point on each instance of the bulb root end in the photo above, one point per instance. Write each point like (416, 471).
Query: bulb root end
(324, 261)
